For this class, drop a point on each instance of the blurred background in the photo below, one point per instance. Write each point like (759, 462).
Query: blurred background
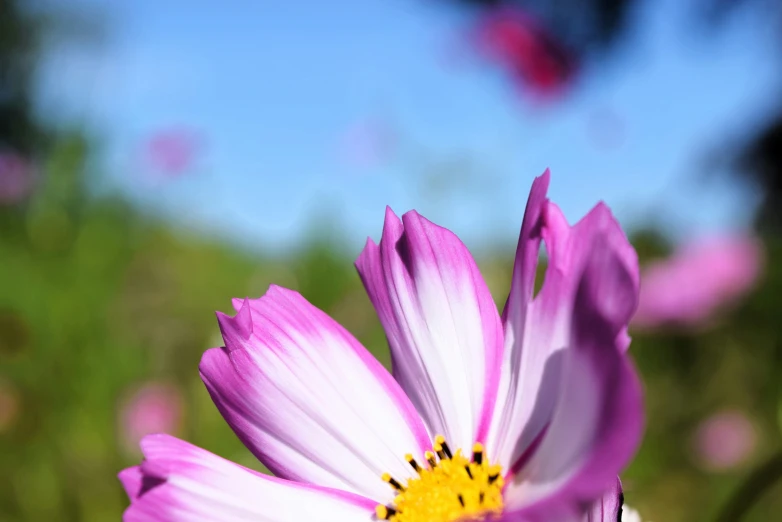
(159, 158)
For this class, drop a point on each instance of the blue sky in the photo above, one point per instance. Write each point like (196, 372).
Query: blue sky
(273, 86)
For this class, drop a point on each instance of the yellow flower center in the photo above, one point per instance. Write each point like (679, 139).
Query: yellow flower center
(449, 488)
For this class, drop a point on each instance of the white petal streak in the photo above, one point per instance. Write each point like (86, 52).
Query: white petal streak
(441, 322)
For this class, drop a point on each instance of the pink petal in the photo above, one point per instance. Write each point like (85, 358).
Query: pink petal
(607, 508)
(131, 479)
(536, 330)
(596, 421)
(178, 482)
(308, 400)
(441, 322)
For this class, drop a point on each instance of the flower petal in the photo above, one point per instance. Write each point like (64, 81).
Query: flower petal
(537, 330)
(608, 507)
(553, 510)
(441, 322)
(597, 419)
(308, 400)
(131, 481)
(184, 483)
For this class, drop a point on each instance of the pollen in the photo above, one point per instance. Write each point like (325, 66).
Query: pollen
(448, 487)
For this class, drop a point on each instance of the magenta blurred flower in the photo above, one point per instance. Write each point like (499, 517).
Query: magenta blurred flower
(725, 440)
(697, 280)
(151, 408)
(542, 400)
(17, 178)
(535, 58)
(172, 152)
(368, 144)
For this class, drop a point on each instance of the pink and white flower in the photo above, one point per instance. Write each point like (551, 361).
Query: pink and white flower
(529, 414)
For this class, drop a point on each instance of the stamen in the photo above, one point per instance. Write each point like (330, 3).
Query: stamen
(477, 453)
(411, 460)
(391, 480)
(440, 440)
(441, 491)
(384, 512)
(439, 450)
(430, 459)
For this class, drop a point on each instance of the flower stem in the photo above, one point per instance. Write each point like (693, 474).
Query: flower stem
(753, 488)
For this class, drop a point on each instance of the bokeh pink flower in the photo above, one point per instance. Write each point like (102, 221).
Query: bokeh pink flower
(17, 178)
(151, 408)
(700, 278)
(367, 144)
(172, 152)
(725, 440)
(535, 58)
